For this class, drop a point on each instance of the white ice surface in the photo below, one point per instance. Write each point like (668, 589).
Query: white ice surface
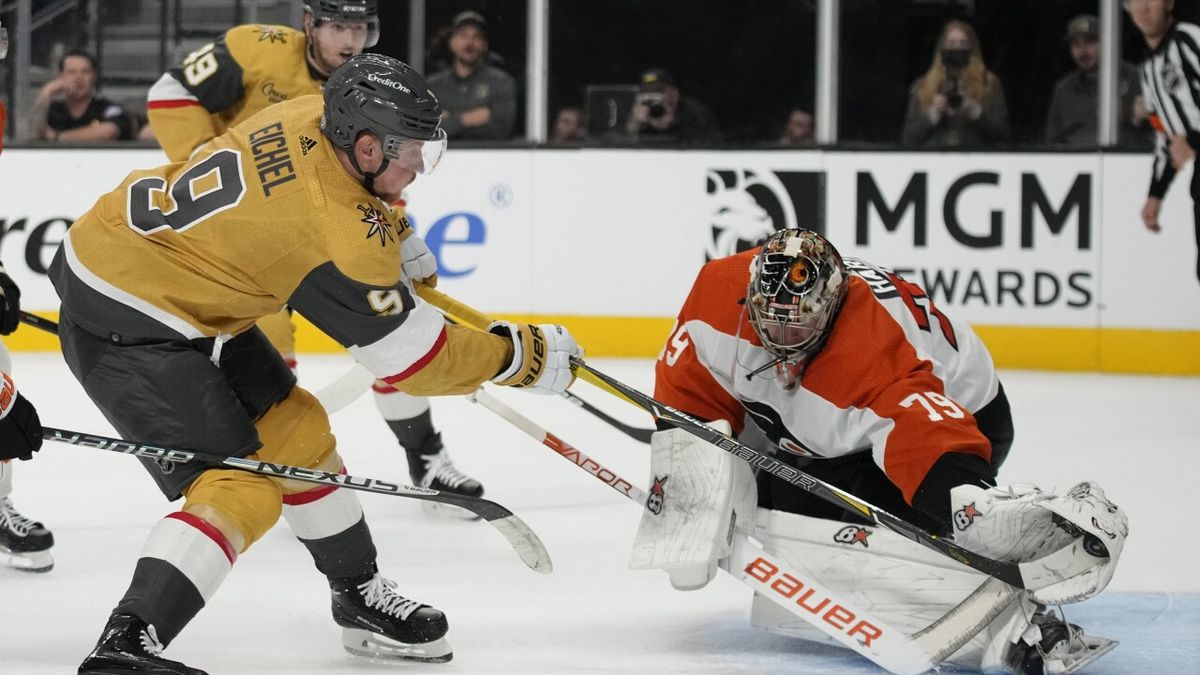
(1134, 435)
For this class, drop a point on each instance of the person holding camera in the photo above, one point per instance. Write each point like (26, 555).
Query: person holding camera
(958, 102)
(662, 114)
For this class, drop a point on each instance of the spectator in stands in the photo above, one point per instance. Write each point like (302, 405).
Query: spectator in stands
(1074, 106)
(68, 108)
(479, 100)
(958, 102)
(569, 126)
(663, 115)
(799, 129)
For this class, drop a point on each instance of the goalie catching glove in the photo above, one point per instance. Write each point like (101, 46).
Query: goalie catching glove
(1020, 523)
(541, 356)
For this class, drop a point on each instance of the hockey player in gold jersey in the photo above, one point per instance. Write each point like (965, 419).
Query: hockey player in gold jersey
(248, 69)
(161, 284)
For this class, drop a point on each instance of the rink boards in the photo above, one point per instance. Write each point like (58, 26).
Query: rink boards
(1044, 253)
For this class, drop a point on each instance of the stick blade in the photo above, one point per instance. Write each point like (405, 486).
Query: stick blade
(525, 542)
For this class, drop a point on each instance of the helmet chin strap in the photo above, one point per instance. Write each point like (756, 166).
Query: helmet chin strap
(368, 177)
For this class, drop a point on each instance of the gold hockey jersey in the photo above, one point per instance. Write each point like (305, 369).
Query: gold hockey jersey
(260, 217)
(227, 81)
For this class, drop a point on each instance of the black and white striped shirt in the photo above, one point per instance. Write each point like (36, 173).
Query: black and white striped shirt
(1171, 87)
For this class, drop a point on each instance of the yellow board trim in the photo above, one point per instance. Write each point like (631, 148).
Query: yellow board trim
(1111, 350)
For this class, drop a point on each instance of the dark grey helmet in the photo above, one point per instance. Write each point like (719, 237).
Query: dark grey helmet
(383, 96)
(380, 94)
(348, 11)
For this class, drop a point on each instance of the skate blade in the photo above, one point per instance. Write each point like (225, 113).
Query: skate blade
(1073, 663)
(439, 510)
(370, 645)
(36, 562)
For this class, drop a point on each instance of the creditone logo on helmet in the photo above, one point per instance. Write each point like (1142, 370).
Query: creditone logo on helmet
(379, 79)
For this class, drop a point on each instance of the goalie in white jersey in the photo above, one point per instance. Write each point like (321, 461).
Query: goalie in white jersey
(854, 376)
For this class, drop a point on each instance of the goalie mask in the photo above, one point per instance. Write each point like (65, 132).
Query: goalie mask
(797, 285)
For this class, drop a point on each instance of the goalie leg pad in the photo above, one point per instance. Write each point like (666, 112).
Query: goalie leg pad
(697, 497)
(901, 583)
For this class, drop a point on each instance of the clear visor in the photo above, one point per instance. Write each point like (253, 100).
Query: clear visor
(3, 42)
(420, 157)
(369, 27)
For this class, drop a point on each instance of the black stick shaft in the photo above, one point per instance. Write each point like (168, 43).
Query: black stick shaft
(39, 322)
(636, 433)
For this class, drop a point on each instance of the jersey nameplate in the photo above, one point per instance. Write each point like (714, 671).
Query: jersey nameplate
(272, 158)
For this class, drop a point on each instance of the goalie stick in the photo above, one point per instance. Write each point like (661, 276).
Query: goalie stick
(523, 540)
(1032, 575)
(772, 578)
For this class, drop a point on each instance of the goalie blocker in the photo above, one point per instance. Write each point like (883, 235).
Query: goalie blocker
(700, 497)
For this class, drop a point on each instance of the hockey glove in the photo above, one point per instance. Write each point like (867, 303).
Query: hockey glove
(541, 356)
(419, 263)
(20, 428)
(10, 298)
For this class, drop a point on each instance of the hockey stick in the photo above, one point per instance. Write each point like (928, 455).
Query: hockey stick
(772, 578)
(1032, 575)
(38, 322)
(519, 535)
(636, 433)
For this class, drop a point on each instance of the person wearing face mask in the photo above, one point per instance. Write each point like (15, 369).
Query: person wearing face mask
(958, 103)
(68, 109)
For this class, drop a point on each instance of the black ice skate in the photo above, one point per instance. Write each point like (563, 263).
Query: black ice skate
(24, 544)
(128, 645)
(431, 467)
(1062, 648)
(379, 623)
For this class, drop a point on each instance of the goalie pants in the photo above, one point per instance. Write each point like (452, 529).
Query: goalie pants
(858, 474)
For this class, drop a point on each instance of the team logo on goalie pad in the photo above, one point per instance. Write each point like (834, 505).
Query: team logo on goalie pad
(851, 535)
(965, 517)
(654, 502)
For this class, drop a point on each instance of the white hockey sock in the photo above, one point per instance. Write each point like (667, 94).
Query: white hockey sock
(394, 404)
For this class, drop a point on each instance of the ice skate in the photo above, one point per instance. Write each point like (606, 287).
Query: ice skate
(1061, 647)
(128, 645)
(431, 467)
(24, 544)
(379, 623)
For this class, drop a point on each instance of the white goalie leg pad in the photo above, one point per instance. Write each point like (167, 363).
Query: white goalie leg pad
(698, 496)
(1021, 523)
(901, 583)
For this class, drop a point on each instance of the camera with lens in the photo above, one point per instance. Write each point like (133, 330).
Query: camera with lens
(656, 104)
(955, 61)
